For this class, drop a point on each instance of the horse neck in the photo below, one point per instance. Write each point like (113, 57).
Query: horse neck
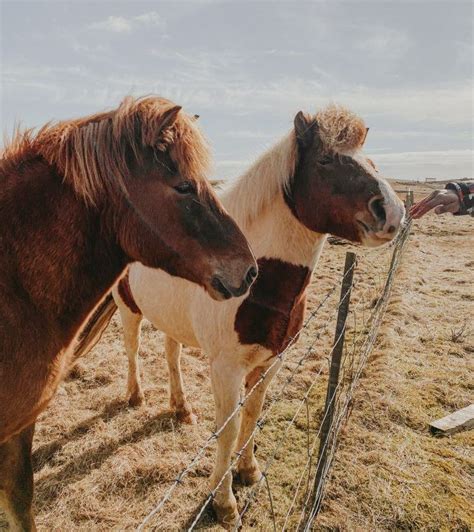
(276, 233)
(61, 256)
(251, 193)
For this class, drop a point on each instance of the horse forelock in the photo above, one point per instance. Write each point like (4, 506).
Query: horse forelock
(340, 129)
(92, 152)
(187, 146)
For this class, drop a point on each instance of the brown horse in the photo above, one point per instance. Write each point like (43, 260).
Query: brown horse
(78, 202)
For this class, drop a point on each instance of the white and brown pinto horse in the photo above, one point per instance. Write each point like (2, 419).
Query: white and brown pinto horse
(315, 181)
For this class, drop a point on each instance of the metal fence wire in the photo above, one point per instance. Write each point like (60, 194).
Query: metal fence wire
(356, 333)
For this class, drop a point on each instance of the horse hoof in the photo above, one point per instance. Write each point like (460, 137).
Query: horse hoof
(249, 476)
(186, 416)
(227, 516)
(136, 399)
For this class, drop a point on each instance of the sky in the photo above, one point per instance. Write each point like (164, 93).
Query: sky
(248, 67)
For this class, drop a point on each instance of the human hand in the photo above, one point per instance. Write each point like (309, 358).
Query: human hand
(440, 200)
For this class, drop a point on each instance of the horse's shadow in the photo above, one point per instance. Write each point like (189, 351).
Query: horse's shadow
(45, 453)
(208, 517)
(48, 488)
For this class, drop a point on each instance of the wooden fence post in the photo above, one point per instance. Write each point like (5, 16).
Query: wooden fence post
(333, 381)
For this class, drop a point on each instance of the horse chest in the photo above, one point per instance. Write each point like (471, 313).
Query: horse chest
(273, 312)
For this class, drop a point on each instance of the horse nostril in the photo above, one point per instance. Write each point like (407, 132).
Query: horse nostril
(377, 208)
(251, 274)
(391, 229)
(219, 285)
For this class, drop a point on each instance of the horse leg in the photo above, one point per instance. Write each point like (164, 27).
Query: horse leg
(178, 400)
(16, 480)
(226, 381)
(247, 468)
(131, 322)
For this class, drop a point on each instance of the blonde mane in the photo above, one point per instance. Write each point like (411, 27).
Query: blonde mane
(254, 190)
(339, 129)
(91, 152)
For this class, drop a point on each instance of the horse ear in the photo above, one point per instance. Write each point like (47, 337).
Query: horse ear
(169, 116)
(366, 131)
(304, 129)
(163, 135)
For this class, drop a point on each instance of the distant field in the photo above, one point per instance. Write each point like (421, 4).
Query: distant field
(101, 465)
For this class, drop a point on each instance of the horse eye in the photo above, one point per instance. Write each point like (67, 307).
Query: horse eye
(186, 187)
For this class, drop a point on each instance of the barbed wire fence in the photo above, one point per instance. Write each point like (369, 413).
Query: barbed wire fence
(356, 331)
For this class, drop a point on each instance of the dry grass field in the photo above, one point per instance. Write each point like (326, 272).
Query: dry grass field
(389, 472)
(100, 465)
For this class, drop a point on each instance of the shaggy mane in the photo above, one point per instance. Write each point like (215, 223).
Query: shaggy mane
(253, 191)
(91, 152)
(340, 130)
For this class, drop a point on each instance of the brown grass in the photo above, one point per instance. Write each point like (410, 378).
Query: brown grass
(101, 465)
(390, 473)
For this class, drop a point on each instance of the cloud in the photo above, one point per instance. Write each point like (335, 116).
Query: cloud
(90, 50)
(118, 24)
(231, 163)
(394, 111)
(423, 134)
(151, 19)
(114, 24)
(387, 42)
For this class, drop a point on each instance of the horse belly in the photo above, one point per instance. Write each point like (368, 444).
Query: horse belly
(165, 302)
(27, 386)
